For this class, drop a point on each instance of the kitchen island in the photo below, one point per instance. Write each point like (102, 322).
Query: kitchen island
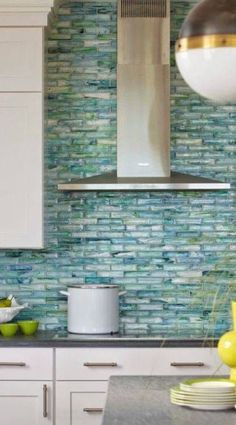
(145, 400)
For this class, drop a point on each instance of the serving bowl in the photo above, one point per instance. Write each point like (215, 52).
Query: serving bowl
(8, 329)
(8, 313)
(28, 327)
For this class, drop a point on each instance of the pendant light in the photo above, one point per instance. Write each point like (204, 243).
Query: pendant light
(206, 50)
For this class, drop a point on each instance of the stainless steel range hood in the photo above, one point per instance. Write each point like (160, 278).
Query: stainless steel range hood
(111, 182)
(143, 111)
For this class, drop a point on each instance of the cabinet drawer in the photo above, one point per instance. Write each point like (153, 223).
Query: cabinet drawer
(26, 364)
(80, 403)
(191, 361)
(101, 363)
(21, 52)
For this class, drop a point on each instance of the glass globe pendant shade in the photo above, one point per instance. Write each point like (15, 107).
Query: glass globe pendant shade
(206, 50)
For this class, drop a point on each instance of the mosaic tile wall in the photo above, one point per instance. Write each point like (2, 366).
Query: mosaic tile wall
(175, 252)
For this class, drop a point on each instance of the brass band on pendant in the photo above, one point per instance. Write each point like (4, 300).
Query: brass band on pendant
(205, 42)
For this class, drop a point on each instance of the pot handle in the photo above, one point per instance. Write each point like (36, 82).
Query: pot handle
(65, 293)
(122, 293)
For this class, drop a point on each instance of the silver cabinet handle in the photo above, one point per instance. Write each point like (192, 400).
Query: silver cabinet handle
(87, 364)
(92, 409)
(195, 364)
(45, 401)
(13, 364)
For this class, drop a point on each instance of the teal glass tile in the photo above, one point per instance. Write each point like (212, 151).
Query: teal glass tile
(174, 253)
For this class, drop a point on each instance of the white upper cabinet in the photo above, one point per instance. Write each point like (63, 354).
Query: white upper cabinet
(25, 13)
(21, 170)
(21, 65)
(22, 122)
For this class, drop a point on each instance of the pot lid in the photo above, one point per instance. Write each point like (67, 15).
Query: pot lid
(94, 286)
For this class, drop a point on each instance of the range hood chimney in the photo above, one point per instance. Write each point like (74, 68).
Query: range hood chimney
(143, 75)
(143, 112)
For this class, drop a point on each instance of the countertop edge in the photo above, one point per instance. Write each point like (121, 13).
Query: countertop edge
(51, 340)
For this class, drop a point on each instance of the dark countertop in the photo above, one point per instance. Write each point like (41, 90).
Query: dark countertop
(62, 339)
(139, 400)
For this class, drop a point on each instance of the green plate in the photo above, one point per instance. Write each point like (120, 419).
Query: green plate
(201, 406)
(210, 396)
(204, 400)
(208, 384)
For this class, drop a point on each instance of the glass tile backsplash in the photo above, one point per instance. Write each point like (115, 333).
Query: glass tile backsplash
(175, 252)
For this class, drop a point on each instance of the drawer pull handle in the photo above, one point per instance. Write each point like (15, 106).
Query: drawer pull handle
(195, 364)
(92, 409)
(45, 401)
(87, 364)
(13, 364)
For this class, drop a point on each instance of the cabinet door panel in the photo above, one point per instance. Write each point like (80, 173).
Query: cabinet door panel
(21, 170)
(80, 403)
(21, 65)
(23, 403)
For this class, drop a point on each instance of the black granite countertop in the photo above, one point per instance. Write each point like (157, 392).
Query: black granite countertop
(63, 339)
(142, 400)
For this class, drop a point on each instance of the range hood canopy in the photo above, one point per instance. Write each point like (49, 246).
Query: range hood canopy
(110, 182)
(143, 106)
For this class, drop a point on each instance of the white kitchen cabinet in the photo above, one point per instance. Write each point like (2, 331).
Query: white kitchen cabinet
(21, 170)
(26, 403)
(26, 386)
(21, 65)
(26, 364)
(82, 374)
(80, 377)
(100, 363)
(22, 49)
(80, 403)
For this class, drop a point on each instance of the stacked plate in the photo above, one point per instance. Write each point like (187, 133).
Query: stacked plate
(205, 394)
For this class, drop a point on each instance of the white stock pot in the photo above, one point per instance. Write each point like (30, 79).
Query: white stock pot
(93, 309)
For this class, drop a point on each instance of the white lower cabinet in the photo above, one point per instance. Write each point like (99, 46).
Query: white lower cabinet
(82, 374)
(80, 403)
(68, 386)
(100, 363)
(26, 386)
(26, 403)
